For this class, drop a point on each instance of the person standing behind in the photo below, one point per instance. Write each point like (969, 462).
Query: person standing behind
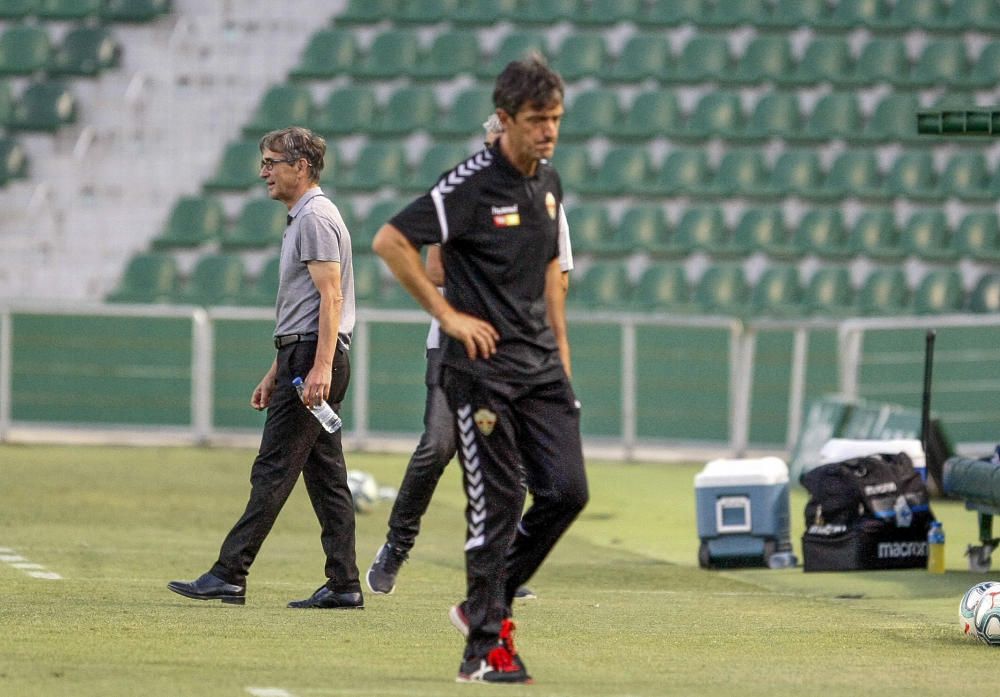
(516, 417)
(315, 317)
(437, 443)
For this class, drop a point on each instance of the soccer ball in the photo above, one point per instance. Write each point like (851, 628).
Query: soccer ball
(988, 617)
(364, 490)
(967, 608)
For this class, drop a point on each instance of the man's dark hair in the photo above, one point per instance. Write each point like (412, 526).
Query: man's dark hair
(297, 142)
(527, 82)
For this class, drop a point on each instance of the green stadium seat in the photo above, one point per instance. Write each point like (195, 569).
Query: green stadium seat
(663, 287)
(150, 277)
(855, 173)
(913, 176)
(791, 14)
(733, 13)
(722, 290)
(985, 70)
(763, 230)
(701, 228)
(379, 164)
(347, 110)
(939, 292)
(483, 13)
(653, 114)
(24, 49)
(281, 105)
(858, 14)
(392, 53)
(366, 11)
(884, 292)
(581, 56)
(16, 9)
(821, 232)
(766, 59)
(974, 15)
(260, 224)
(378, 215)
(704, 58)
(929, 15)
(874, 235)
(367, 279)
(777, 293)
(85, 51)
(329, 54)
(776, 115)
(625, 170)
(572, 161)
(928, 237)
(44, 106)
(644, 228)
(798, 173)
(408, 110)
(422, 11)
(742, 172)
(7, 102)
(138, 11)
(592, 232)
(67, 9)
(464, 118)
(239, 168)
(670, 13)
(967, 177)
(263, 291)
(891, 121)
(547, 12)
(836, 115)
(217, 279)
(594, 112)
(438, 159)
(985, 296)
(717, 113)
(942, 62)
(978, 237)
(684, 171)
(193, 221)
(452, 53)
(826, 59)
(603, 13)
(643, 57)
(829, 293)
(882, 60)
(513, 46)
(13, 160)
(604, 286)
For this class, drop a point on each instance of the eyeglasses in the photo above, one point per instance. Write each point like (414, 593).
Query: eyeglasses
(268, 164)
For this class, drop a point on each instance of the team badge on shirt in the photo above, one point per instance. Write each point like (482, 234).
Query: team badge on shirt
(505, 216)
(550, 204)
(485, 420)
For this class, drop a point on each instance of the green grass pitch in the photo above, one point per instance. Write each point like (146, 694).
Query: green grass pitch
(623, 609)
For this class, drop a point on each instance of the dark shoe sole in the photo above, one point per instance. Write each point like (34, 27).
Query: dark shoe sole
(373, 589)
(332, 607)
(226, 599)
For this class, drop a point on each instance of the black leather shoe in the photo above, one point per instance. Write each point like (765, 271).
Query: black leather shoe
(209, 587)
(326, 599)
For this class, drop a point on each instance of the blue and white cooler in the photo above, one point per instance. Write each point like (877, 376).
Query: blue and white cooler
(743, 513)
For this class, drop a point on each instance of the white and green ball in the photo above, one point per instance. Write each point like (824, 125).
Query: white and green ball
(988, 617)
(364, 490)
(967, 607)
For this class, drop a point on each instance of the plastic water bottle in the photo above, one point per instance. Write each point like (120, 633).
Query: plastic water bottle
(324, 413)
(935, 548)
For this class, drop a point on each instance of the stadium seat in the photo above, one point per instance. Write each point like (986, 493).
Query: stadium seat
(604, 286)
(644, 57)
(942, 62)
(422, 11)
(704, 58)
(452, 53)
(717, 113)
(85, 51)
(776, 115)
(663, 287)
(591, 113)
(134, 10)
(836, 115)
(604, 13)
(791, 14)
(891, 121)
(967, 177)
(625, 170)
(821, 232)
(378, 215)
(592, 232)
(366, 11)
(346, 110)
(722, 290)
(261, 224)
(940, 291)
(645, 228)
(392, 53)
(855, 173)
(148, 278)
(653, 114)
(581, 56)
(281, 106)
(858, 14)
(684, 171)
(16, 9)
(974, 15)
(766, 59)
(874, 235)
(882, 60)
(408, 110)
(913, 176)
(572, 161)
(777, 293)
(927, 237)
(733, 13)
(438, 159)
(262, 290)
(329, 54)
(798, 173)
(826, 59)
(978, 237)
(547, 12)
(24, 49)
(463, 119)
(217, 279)
(380, 163)
(513, 46)
(367, 279)
(7, 101)
(918, 14)
(829, 293)
(742, 172)
(884, 292)
(13, 160)
(57, 10)
(483, 13)
(193, 221)
(44, 106)
(985, 70)
(763, 230)
(985, 296)
(701, 228)
(239, 168)
(670, 13)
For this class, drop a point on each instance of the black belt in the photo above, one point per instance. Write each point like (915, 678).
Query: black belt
(289, 339)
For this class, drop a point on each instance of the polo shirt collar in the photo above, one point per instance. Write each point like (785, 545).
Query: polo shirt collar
(310, 194)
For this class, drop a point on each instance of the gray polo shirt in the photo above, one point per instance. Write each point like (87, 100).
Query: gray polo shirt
(316, 233)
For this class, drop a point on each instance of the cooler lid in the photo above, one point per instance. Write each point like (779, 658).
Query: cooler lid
(762, 471)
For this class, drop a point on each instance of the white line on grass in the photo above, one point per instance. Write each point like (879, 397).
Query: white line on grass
(269, 692)
(16, 561)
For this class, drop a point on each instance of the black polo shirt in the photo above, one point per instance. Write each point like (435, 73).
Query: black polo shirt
(498, 231)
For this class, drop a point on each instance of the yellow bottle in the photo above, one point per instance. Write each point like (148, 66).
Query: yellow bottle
(935, 548)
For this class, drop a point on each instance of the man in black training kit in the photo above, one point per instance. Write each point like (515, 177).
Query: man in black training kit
(437, 443)
(496, 216)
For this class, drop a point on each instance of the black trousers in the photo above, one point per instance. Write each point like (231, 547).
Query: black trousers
(509, 434)
(293, 442)
(427, 463)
